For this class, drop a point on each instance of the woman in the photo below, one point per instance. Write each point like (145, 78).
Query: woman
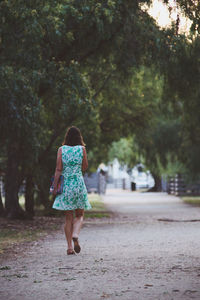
(71, 161)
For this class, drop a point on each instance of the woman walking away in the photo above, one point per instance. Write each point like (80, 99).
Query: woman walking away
(71, 161)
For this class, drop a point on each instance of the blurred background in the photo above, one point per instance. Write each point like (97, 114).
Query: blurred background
(127, 73)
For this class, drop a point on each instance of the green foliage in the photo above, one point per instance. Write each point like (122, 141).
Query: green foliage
(192, 10)
(94, 64)
(182, 88)
(69, 63)
(172, 165)
(125, 150)
(157, 143)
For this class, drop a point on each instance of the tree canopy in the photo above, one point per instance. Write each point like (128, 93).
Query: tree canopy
(96, 65)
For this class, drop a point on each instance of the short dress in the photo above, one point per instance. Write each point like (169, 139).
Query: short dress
(74, 193)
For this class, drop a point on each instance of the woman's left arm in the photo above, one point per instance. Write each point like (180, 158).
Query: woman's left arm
(58, 171)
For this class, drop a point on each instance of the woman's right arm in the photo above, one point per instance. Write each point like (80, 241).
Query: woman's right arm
(84, 161)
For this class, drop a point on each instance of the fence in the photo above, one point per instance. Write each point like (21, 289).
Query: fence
(119, 183)
(95, 182)
(177, 186)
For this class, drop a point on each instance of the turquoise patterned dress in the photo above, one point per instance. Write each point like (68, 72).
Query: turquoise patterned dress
(74, 190)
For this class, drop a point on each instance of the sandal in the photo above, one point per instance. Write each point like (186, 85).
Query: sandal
(77, 247)
(70, 251)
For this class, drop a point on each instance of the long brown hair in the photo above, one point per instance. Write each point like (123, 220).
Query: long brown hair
(73, 137)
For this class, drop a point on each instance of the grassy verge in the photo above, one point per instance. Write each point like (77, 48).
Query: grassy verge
(13, 233)
(16, 232)
(98, 208)
(10, 238)
(195, 200)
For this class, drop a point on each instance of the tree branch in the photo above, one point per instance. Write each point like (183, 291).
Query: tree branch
(54, 136)
(100, 45)
(103, 85)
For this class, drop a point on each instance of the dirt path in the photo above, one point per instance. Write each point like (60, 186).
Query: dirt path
(136, 255)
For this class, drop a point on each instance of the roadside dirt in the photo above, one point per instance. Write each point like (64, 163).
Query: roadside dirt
(133, 255)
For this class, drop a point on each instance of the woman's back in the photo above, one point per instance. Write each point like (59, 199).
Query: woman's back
(72, 157)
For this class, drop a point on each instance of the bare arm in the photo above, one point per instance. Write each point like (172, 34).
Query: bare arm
(84, 161)
(58, 170)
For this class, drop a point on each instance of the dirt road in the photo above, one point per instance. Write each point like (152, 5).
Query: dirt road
(149, 250)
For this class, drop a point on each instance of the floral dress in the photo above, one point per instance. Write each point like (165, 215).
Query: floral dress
(74, 193)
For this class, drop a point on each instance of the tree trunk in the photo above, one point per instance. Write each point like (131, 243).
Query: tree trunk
(157, 184)
(44, 197)
(29, 196)
(13, 209)
(2, 211)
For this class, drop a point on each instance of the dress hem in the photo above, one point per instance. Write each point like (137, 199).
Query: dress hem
(57, 208)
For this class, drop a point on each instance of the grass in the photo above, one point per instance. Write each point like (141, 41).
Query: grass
(10, 238)
(98, 208)
(16, 232)
(195, 200)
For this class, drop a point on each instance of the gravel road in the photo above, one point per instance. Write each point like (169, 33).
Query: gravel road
(148, 250)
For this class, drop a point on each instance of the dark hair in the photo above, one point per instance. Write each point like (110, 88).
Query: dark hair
(73, 137)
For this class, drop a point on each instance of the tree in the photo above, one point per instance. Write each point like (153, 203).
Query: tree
(157, 143)
(126, 151)
(65, 70)
(191, 9)
(183, 89)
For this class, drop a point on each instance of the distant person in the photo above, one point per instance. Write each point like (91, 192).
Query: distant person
(71, 161)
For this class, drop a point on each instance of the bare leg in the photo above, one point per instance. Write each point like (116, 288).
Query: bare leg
(69, 227)
(78, 222)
